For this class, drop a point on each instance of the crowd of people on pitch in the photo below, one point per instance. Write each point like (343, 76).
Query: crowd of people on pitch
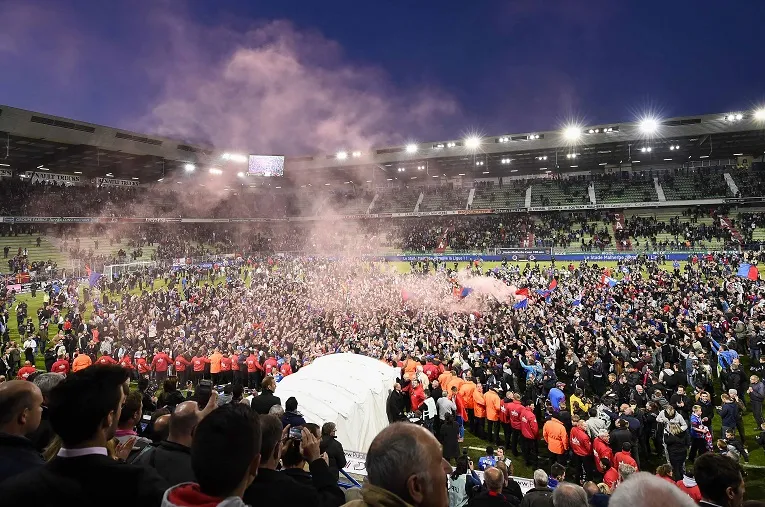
(602, 368)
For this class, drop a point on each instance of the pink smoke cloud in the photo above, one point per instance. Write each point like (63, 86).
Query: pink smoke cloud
(278, 89)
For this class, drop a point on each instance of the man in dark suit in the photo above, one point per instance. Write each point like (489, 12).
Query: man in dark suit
(20, 413)
(272, 487)
(262, 404)
(720, 480)
(84, 411)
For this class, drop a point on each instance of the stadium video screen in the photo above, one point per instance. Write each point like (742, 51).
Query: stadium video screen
(266, 165)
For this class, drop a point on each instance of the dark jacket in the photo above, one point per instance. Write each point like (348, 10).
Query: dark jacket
(448, 435)
(512, 488)
(537, 497)
(85, 481)
(489, 499)
(263, 403)
(170, 399)
(17, 454)
(279, 488)
(618, 438)
(171, 461)
(293, 419)
(395, 406)
(729, 414)
(43, 435)
(677, 446)
(335, 453)
(758, 392)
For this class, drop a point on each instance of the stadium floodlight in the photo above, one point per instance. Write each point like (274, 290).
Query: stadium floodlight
(759, 114)
(240, 175)
(451, 145)
(572, 133)
(411, 148)
(189, 167)
(649, 125)
(342, 155)
(215, 171)
(473, 142)
(160, 179)
(739, 116)
(356, 154)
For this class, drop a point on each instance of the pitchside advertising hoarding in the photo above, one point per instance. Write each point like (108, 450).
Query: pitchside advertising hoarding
(355, 464)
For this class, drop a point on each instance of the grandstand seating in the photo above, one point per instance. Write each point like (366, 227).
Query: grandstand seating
(559, 193)
(625, 190)
(440, 199)
(704, 183)
(749, 182)
(507, 196)
(396, 201)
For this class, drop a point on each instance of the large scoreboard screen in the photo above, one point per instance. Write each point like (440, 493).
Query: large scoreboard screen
(266, 165)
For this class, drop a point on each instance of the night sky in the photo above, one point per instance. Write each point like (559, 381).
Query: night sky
(300, 76)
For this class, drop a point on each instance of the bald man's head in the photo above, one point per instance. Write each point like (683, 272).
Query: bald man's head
(184, 419)
(20, 407)
(406, 460)
(646, 490)
(494, 479)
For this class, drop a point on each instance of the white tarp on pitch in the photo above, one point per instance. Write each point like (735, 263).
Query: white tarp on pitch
(348, 389)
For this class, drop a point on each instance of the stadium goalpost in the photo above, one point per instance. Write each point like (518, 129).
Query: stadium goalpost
(112, 270)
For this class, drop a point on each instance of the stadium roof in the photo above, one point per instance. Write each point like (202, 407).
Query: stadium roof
(641, 144)
(34, 141)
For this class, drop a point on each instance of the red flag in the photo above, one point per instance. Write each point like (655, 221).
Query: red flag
(522, 292)
(553, 284)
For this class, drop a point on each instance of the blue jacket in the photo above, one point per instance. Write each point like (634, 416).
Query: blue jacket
(294, 419)
(729, 415)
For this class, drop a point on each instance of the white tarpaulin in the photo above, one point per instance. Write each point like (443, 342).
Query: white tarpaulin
(347, 389)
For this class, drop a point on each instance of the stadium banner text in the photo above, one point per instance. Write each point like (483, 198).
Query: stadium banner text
(5, 173)
(38, 177)
(113, 182)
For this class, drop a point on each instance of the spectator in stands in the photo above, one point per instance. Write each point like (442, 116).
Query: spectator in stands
(688, 484)
(645, 490)
(43, 435)
(130, 417)
(594, 495)
(720, 480)
(291, 415)
(540, 495)
(404, 466)
(271, 487)
(21, 407)
(84, 411)
(263, 403)
(172, 458)
(171, 396)
(332, 448)
(222, 477)
(569, 495)
(492, 495)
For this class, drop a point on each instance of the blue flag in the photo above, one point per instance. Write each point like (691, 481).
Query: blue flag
(466, 291)
(522, 304)
(93, 278)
